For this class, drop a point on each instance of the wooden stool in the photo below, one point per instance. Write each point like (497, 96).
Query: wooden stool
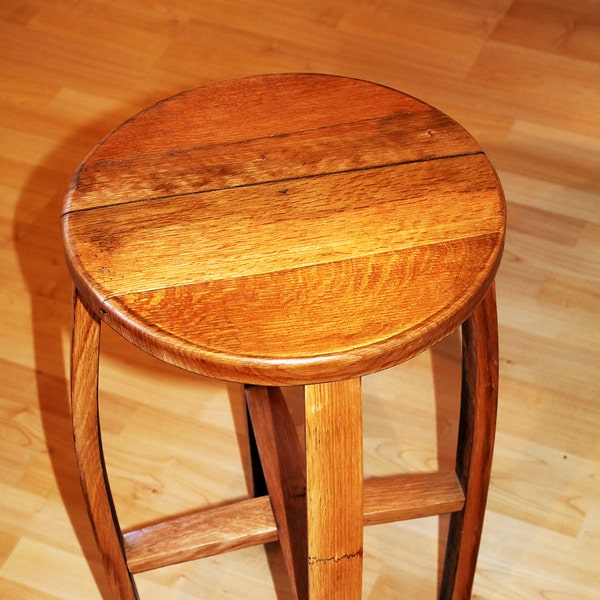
(283, 230)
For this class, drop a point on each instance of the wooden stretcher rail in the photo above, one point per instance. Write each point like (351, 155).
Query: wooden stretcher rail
(250, 522)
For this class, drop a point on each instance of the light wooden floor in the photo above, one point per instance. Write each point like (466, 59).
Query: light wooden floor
(522, 75)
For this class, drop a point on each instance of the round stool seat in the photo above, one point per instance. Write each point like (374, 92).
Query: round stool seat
(285, 229)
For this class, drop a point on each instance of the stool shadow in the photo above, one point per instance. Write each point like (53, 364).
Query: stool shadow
(37, 241)
(50, 295)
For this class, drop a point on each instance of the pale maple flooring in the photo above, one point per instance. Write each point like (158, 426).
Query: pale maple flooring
(522, 75)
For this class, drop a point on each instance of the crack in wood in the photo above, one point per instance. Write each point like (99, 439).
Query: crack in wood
(313, 559)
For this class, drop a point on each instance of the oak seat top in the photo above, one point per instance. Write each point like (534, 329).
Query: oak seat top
(285, 229)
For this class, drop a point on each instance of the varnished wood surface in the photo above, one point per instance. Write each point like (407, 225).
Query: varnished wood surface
(283, 463)
(385, 259)
(285, 229)
(89, 453)
(222, 529)
(476, 435)
(214, 530)
(334, 462)
(521, 76)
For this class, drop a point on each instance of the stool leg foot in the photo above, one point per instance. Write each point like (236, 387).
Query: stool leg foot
(475, 446)
(88, 449)
(334, 490)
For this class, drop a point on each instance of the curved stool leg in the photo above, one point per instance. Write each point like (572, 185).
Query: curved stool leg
(85, 344)
(475, 446)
